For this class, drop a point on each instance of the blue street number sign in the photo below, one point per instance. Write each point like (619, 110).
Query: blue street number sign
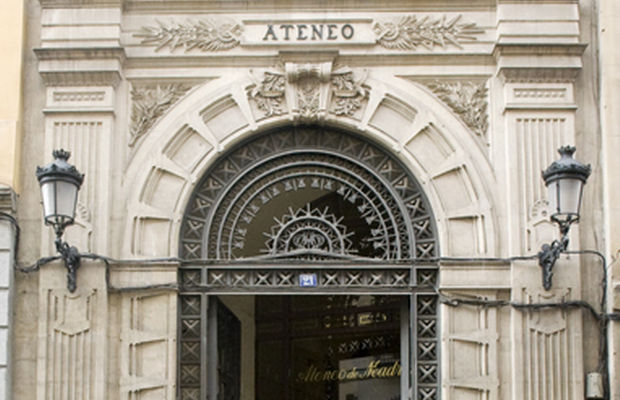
(307, 280)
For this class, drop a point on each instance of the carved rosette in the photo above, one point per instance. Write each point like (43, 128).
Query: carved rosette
(206, 35)
(468, 99)
(149, 104)
(310, 87)
(410, 32)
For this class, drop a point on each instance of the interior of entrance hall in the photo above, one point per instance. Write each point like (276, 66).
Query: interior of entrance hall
(306, 347)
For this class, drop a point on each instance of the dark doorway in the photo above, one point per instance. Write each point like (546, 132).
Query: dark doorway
(340, 347)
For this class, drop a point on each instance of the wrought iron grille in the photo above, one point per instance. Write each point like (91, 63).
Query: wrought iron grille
(306, 201)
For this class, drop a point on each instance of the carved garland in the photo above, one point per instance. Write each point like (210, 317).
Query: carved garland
(149, 104)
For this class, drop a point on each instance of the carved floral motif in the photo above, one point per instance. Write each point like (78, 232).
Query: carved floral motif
(468, 100)
(269, 93)
(149, 104)
(205, 35)
(410, 32)
(308, 98)
(309, 83)
(348, 93)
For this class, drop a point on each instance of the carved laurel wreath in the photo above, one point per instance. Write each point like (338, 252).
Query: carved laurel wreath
(406, 33)
(410, 32)
(204, 35)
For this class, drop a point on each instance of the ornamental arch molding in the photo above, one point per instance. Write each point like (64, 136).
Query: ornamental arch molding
(421, 133)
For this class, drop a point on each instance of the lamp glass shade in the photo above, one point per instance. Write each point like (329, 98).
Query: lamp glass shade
(59, 201)
(565, 198)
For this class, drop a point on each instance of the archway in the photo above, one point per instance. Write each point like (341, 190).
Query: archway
(308, 210)
(308, 192)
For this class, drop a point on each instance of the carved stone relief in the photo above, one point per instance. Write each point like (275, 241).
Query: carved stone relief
(309, 87)
(468, 99)
(206, 35)
(149, 104)
(348, 93)
(72, 364)
(410, 32)
(268, 93)
(547, 349)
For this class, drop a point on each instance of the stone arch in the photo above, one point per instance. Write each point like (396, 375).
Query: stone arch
(423, 134)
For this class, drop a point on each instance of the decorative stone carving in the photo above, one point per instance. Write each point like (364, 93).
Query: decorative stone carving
(308, 98)
(348, 93)
(149, 104)
(410, 32)
(547, 347)
(309, 83)
(268, 93)
(468, 99)
(206, 35)
(308, 80)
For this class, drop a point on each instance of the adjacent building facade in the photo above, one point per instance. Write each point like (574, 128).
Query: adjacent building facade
(310, 201)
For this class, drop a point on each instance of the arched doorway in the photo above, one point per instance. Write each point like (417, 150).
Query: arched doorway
(304, 211)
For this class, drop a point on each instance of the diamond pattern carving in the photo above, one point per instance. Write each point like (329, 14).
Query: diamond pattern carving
(190, 352)
(190, 394)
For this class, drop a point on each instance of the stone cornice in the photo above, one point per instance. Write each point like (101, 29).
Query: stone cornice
(80, 3)
(299, 5)
(73, 66)
(512, 49)
(539, 62)
(80, 53)
(7, 199)
(550, 74)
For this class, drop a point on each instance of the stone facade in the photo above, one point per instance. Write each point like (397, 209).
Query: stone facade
(472, 97)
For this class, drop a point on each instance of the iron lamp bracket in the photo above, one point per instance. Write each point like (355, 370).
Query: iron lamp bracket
(71, 257)
(549, 253)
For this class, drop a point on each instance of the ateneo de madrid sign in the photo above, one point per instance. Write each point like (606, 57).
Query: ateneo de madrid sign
(406, 32)
(311, 32)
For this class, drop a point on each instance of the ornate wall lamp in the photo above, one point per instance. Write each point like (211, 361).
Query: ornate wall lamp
(564, 179)
(60, 183)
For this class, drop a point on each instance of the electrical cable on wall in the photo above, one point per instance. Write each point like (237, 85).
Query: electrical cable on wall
(602, 317)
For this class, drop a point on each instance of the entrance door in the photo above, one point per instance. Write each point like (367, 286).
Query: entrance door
(340, 347)
(225, 349)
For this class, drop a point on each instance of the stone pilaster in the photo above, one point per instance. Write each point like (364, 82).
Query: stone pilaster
(7, 256)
